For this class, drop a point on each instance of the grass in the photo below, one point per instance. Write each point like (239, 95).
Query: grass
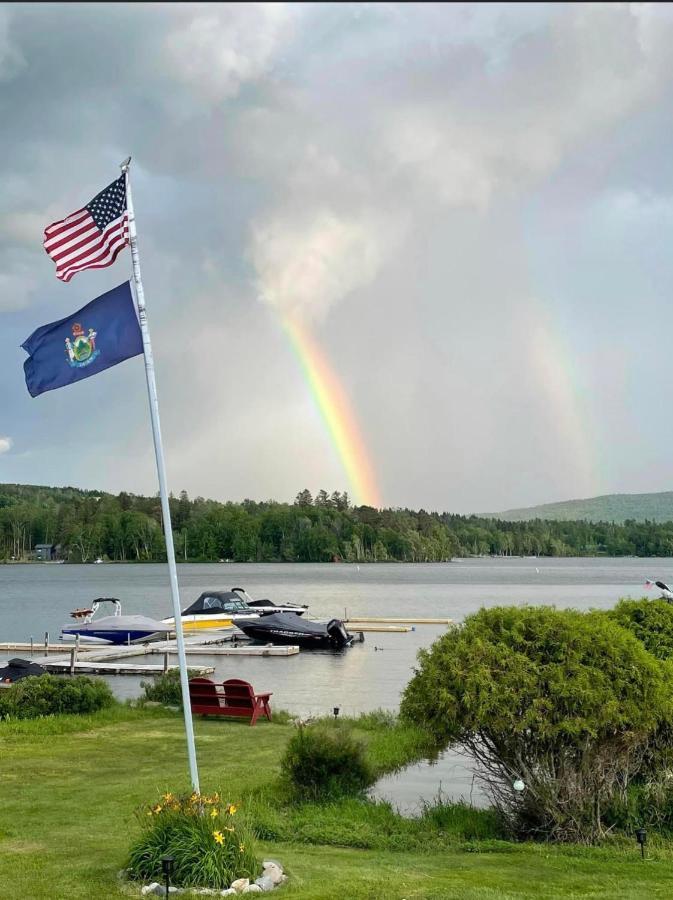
(69, 788)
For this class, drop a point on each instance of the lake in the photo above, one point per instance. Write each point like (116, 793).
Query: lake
(39, 598)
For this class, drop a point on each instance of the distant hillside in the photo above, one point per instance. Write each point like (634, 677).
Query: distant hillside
(609, 508)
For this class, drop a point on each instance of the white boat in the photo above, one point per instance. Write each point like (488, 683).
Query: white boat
(114, 629)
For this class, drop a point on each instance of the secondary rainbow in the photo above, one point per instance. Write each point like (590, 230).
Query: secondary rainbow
(336, 412)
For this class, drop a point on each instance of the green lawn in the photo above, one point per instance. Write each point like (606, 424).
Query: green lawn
(69, 788)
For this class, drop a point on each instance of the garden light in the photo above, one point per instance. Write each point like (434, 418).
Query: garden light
(518, 786)
(167, 866)
(641, 837)
(336, 712)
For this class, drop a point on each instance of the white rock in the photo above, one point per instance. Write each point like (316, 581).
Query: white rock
(274, 871)
(230, 892)
(272, 862)
(240, 884)
(149, 888)
(265, 882)
(253, 889)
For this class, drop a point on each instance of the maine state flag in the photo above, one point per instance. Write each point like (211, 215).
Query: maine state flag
(101, 334)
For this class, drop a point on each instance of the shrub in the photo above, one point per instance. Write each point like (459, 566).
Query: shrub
(565, 701)
(48, 695)
(211, 846)
(324, 762)
(165, 688)
(651, 621)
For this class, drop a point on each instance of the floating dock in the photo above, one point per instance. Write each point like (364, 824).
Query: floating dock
(89, 667)
(383, 628)
(355, 620)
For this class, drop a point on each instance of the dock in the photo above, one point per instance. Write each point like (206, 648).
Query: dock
(392, 620)
(102, 659)
(96, 668)
(382, 628)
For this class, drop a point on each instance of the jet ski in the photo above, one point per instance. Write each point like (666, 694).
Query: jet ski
(18, 668)
(288, 628)
(114, 629)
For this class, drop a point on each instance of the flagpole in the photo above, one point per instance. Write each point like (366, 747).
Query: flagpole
(161, 470)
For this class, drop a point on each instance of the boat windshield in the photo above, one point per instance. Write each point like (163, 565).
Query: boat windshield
(214, 602)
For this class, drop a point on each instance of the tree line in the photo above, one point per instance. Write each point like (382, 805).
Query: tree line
(85, 525)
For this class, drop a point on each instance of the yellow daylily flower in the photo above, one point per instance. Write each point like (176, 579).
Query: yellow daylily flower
(167, 797)
(226, 828)
(219, 837)
(157, 809)
(213, 813)
(231, 809)
(241, 847)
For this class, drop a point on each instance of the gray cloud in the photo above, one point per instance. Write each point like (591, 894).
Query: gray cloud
(450, 197)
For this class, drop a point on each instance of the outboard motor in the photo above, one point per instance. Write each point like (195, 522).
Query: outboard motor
(338, 634)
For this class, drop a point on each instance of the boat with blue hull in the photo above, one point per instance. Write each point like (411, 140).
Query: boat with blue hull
(114, 629)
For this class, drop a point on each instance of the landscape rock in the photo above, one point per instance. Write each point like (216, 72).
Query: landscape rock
(240, 884)
(230, 892)
(253, 889)
(273, 870)
(265, 882)
(149, 888)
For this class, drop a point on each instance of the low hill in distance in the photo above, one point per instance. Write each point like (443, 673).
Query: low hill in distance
(608, 508)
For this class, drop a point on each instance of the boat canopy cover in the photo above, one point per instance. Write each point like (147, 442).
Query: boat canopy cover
(119, 623)
(17, 668)
(289, 622)
(215, 603)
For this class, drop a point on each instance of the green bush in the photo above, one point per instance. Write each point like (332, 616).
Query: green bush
(210, 844)
(565, 701)
(326, 761)
(48, 695)
(165, 688)
(651, 621)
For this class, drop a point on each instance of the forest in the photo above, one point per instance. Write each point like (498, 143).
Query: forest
(86, 525)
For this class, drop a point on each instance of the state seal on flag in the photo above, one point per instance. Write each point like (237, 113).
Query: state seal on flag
(81, 350)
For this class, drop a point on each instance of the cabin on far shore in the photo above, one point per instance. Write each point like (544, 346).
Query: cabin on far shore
(45, 551)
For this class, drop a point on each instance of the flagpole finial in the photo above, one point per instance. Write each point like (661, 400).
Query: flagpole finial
(125, 165)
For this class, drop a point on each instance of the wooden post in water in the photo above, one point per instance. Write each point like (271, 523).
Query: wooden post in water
(46, 641)
(31, 645)
(165, 661)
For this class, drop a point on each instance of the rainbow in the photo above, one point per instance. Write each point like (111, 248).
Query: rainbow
(337, 414)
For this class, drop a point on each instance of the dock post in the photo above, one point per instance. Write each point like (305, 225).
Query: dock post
(165, 661)
(31, 645)
(73, 655)
(46, 641)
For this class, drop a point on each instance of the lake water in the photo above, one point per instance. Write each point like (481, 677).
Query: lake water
(39, 598)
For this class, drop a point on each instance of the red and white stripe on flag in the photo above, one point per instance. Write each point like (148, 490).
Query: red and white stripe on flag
(92, 237)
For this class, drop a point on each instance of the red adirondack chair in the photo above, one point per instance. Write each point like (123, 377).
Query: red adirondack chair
(230, 698)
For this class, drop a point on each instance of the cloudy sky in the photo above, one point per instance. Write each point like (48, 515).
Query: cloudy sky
(468, 208)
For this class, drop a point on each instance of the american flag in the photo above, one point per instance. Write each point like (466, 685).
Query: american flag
(92, 237)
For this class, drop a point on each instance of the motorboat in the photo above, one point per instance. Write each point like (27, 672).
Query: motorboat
(212, 610)
(216, 610)
(266, 606)
(114, 629)
(288, 628)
